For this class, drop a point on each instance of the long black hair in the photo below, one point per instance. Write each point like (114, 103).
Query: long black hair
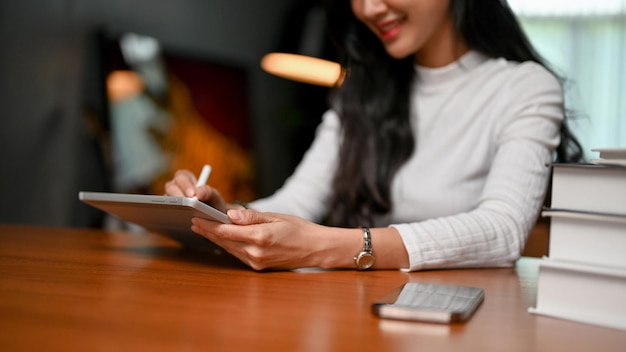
(373, 102)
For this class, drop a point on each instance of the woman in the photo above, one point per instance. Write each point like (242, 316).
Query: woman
(437, 150)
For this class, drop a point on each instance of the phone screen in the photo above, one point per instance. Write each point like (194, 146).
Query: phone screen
(430, 302)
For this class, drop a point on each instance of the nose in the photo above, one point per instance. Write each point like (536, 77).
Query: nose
(373, 8)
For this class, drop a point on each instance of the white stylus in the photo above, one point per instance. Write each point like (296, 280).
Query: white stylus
(204, 175)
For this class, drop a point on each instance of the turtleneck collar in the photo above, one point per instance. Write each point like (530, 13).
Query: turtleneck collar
(438, 75)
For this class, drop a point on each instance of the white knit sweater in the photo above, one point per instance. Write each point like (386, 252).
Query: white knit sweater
(486, 130)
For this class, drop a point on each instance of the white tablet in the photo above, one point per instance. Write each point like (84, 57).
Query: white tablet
(165, 214)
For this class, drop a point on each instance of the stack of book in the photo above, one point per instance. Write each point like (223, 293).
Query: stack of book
(583, 278)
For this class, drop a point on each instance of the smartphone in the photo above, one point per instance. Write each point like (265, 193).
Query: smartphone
(430, 303)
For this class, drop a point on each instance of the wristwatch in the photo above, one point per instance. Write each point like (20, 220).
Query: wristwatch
(365, 258)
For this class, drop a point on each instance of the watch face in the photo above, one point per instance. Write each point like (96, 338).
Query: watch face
(364, 260)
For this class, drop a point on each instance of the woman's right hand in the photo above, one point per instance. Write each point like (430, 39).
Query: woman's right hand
(184, 185)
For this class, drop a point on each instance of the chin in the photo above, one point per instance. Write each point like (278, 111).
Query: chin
(398, 53)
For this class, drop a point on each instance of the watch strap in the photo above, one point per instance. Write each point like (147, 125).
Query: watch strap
(367, 239)
(364, 259)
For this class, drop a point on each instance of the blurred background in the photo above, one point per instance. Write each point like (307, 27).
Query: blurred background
(114, 95)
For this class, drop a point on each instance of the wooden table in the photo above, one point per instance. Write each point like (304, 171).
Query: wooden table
(89, 290)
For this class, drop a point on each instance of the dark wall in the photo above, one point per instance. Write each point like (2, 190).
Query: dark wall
(50, 81)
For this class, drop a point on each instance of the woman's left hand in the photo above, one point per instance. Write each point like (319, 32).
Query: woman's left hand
(267, 240)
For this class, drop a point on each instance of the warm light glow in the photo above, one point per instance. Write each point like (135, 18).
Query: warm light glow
(304, 69)
(123, 84)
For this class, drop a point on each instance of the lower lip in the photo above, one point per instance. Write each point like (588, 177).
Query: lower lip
(392, 33)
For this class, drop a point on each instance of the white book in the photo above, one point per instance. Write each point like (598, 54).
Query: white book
(584, 237)
(609, 162)
(610, 156)
(611, 153)
(589, 187)
(582, 293)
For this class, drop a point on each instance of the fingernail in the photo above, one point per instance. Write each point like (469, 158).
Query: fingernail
(234, 214)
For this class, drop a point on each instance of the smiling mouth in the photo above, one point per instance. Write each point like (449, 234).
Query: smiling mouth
(389, 29)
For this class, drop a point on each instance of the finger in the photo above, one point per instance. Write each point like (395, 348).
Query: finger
(205, 229)
(250, 217)
(203, 193)
(236, 240)
(172, 189)
(177, 185)
(218, 232)
(231, 238)
(235, 248)
(186, 182)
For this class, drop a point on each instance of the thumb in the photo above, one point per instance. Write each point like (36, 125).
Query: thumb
(246, 217)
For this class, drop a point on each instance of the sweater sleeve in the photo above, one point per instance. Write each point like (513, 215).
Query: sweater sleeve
(494, 232)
